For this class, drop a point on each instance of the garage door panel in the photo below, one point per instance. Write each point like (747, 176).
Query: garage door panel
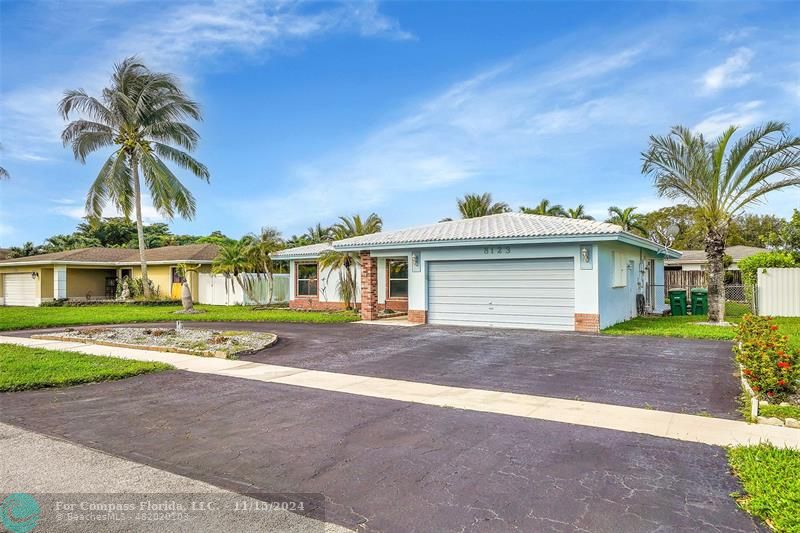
(498, 292)
(514, 293)
(554, 276)
(19, 289)
(505, 310)
(522, 323)
(479, 265)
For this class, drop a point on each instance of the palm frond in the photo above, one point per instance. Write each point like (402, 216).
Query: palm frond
(182, 159)
(168, 193)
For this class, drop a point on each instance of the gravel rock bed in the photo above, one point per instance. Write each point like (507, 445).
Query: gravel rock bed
(203, 341)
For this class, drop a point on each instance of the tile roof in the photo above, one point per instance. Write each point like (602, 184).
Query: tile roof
(310, 250)
(186, 253)
(504, 225)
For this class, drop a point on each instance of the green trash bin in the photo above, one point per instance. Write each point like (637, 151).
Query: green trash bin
(677, 302)
(699, 301)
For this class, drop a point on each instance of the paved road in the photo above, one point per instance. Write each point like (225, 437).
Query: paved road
(688, 376)
(393, 466)
(65, 478)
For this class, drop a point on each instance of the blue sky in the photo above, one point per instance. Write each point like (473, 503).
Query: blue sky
(314, 110)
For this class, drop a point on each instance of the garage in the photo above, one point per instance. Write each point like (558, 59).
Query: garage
(20, 289)
(511, 293)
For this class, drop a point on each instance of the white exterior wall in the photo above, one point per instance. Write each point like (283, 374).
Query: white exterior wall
(618, 304)
(328, 282)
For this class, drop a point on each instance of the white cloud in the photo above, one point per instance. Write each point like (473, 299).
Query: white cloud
(498, 118)
(743, 115)
(731, 73)
(76, 210)
(738, 34)
(30, 127)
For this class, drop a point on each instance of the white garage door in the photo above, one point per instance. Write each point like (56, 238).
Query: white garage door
(19, 289)
(511, 293)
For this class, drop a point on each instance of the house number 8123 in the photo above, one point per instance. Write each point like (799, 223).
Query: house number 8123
(491, 250)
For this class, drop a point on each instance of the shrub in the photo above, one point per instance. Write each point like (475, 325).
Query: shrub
(135, 288)
(109, 303)
(770, 365)
(750, 265)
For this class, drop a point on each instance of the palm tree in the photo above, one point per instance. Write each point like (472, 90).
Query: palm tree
(141, 115)
(258, 246)
(479, 205)
(627, 219)
(544, 208)
(233, 260)
(344, 262)
(578, 213)
(319, 233)
(26, 250)
(720, 181)
(3, 172)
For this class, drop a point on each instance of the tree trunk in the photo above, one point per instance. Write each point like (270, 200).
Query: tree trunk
(715, 252)
(137, 194)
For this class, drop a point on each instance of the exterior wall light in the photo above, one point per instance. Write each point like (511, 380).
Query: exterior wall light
(585, 259)
(34, 275)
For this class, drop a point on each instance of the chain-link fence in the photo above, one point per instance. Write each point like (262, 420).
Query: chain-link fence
(739, 299)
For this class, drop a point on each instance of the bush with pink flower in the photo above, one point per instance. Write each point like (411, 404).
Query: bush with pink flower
(772, 368)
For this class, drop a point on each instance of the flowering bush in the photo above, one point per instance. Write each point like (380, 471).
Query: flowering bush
(771, 367)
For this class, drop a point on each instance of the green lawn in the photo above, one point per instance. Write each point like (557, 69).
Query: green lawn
(687, 327)
(23, 368)
(771, 484)
(12, 318)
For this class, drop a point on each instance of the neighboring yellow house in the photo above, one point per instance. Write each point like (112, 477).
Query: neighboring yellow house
(93, 273)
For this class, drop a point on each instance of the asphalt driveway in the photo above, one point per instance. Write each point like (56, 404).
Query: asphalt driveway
(679, 375)
(385, 465)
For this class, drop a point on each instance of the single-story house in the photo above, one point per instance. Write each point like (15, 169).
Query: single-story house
(696, 259)
(507, 270)
(93, 273)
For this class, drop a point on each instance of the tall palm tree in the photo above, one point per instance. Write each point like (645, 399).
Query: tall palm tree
(544, 208)
(480, 205)
(3, 172)
(258, 246)
(344, 263)
(141, 116)
(578, 213)
(231, 261)
(627, 218)
(720, 181)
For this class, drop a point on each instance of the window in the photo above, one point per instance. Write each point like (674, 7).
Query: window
(176, 276)
(398, 278)
(620, 274)
(306, 279)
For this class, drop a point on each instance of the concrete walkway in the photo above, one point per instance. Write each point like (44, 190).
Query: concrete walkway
(707, 430)
(54, 471)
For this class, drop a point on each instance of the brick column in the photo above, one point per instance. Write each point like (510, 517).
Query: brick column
(587, 322)
(369, 287)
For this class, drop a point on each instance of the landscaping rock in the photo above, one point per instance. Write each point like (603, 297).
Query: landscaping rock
(792, 423)
(182, 340)
(771, 421)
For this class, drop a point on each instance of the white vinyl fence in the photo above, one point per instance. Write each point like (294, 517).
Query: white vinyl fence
(215, 289)
(779, 291)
